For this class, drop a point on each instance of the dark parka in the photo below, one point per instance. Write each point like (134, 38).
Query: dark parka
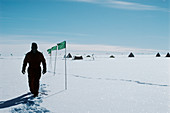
(34, 59)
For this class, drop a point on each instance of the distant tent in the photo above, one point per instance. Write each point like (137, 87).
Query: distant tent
(112, 56)
(78, 57)
(131, 55)
(88, 56)
(158, 55)
(69, 56)
(168, 55)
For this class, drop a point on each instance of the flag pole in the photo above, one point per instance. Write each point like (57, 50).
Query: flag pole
(55, 61)
(50, 61)
(65, 72)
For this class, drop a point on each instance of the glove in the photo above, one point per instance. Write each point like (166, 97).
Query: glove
(44, 71)
(23, 71)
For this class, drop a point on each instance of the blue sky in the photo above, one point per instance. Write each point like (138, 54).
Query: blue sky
(129, 23)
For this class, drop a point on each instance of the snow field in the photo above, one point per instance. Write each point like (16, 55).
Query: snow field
(120, 85)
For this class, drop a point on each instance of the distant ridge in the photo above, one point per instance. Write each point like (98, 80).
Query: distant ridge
(21, 49)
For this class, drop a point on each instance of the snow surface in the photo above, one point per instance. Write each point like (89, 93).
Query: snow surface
(103, 85)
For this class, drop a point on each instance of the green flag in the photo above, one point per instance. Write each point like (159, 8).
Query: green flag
(54, 48)
(49, 51)
(61, 45)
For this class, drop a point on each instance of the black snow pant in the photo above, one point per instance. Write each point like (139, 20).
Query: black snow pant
(34, 75)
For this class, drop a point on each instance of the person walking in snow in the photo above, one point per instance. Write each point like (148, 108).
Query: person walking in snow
(34, 58)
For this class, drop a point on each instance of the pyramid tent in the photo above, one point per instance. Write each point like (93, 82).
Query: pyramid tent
(158, 55)
(131, 55)
(112, 56)
(69, 56)
(168, 55)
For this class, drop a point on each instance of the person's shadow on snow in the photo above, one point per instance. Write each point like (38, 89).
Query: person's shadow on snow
(15, 101)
